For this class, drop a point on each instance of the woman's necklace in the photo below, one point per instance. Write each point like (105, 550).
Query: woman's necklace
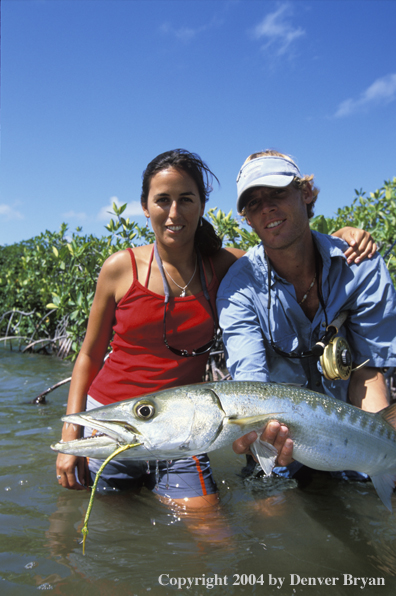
(203, 349)
(307, 292)
(183, 289)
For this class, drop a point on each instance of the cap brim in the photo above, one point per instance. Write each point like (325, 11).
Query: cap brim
(272, 181)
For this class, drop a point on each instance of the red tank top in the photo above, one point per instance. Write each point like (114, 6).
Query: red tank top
(140, 362)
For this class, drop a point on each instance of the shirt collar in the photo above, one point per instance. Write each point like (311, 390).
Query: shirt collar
(329, 247)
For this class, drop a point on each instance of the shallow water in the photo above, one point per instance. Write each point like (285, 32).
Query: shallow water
(262, 533)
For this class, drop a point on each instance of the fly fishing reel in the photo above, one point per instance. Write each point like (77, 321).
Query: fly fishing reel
(336, 360)
(333, 351)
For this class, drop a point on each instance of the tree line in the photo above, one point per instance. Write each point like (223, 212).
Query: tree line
(47, 283)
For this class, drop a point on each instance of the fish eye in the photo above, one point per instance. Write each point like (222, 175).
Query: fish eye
(144, 410)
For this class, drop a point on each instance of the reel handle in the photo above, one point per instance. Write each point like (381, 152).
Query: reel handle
(331, 331)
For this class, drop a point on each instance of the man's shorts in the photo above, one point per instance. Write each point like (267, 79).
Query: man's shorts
(177, 479)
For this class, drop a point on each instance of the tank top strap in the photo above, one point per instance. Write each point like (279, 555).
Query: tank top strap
(149, 269)
(133, 261)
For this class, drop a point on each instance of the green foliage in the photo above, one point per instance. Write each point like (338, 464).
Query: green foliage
(125, 233)
(375, 213)
(230, 231)
(52, 277)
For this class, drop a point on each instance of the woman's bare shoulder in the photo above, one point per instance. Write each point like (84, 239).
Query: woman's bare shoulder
(121, 260)
(116, 276)
(237, 252)
(116, 264)
(224, 258)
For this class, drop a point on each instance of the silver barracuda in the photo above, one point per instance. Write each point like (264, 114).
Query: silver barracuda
(327, 434)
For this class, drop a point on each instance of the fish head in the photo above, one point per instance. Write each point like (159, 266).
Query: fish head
(170, 424)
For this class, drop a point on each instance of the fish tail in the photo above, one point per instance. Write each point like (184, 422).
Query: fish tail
(389, 415)
(384, 485)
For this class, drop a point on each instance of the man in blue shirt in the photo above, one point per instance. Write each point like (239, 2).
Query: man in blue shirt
(276, 302)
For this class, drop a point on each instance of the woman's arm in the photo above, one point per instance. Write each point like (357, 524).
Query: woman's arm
(90, 361)
(361, 244)
(224, 258)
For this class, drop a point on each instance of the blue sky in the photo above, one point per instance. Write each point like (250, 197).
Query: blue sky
(92, 90)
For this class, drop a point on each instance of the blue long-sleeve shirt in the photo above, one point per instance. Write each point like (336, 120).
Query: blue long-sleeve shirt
(365, 290)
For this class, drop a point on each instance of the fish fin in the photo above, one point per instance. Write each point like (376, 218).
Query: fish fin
(389, 415)
(253, 420)
(384, 486)
(291, 385)
(265, 453)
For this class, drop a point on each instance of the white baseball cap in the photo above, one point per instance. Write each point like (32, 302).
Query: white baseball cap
(266, 170)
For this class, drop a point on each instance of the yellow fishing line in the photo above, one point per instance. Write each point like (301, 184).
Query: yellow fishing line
(84, 530)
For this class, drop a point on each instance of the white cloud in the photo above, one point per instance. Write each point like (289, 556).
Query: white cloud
(277, 30)
(133, 209)
(182, 33)
(185, 33)
(74, 215)
(382, 91)
(7, 213)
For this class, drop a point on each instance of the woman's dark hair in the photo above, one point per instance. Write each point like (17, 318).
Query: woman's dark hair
(206, 239)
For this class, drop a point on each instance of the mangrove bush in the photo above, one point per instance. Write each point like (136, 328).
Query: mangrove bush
(47, 283)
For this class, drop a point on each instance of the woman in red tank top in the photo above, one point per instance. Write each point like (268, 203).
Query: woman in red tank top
(138, 289)
(130, 302)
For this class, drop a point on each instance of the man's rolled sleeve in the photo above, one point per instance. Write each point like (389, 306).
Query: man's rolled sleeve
(242, 336)
(372, 321)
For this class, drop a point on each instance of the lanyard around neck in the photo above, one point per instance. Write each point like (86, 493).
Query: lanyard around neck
(205, 348)
(165, 281)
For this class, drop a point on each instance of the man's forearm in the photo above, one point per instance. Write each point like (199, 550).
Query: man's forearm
(368, 390)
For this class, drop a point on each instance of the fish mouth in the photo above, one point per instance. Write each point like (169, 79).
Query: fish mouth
(98, 441)
(118, 431)
(107, 436)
